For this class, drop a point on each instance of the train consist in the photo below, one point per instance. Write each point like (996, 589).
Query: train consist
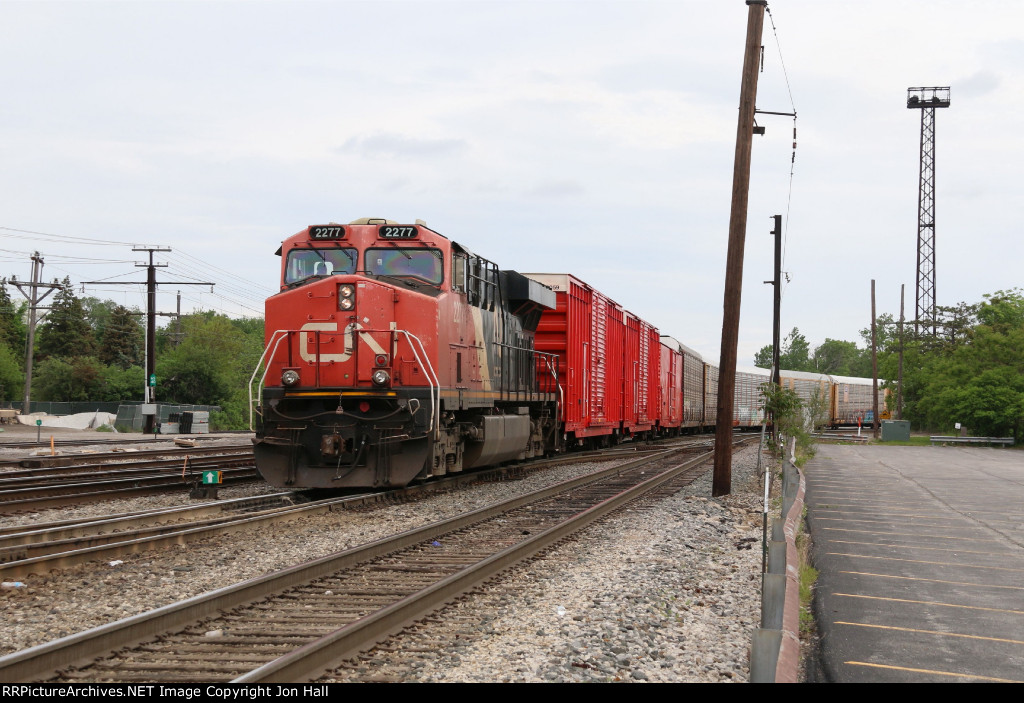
(394, 354)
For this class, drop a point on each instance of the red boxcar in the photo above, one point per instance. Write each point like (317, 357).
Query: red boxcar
(640, 376)
(670, 416)
(586, 330)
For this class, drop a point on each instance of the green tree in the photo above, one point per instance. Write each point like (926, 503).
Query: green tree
(763, 357)
(56, 379)
(972, 373)
(208, 363)
(97, 313)
(793, 355)
(120, 384)
(12, 374)
(795, 352)
(13, 330)
(121, 339)
(65, 333)
(790, 420)
(839, 358)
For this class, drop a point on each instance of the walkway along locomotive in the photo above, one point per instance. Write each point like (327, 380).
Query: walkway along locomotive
(394, 354)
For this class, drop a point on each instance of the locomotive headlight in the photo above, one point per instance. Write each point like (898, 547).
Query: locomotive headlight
(346, 296)
(380, 377)
(290, 377)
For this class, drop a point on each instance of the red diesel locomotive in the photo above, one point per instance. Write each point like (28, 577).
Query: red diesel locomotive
(395, 354)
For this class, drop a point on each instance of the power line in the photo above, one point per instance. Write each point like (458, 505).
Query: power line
(50, 236)
(792, 167)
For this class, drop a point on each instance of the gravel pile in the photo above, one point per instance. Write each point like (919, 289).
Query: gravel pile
(665, 593)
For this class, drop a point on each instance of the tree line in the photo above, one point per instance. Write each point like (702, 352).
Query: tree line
(970, 371)
(87, 349)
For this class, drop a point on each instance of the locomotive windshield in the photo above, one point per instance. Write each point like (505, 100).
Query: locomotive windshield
(307, 263)
(424, 264)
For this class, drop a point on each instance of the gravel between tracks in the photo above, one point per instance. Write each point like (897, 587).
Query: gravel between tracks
(664, 593)
(670, 592)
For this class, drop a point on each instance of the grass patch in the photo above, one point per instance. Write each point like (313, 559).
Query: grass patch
(808, 577)
(922, 441)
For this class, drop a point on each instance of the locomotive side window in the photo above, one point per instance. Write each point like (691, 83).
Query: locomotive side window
(307, 263)
(459, 272)
(419, 263)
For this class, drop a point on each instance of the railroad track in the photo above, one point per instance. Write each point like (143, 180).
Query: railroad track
(40, 488)
(109, 439)
(332, 608)
(172, 453)
(43, 547)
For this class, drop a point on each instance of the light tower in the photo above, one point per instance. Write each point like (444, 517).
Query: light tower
(926, 100)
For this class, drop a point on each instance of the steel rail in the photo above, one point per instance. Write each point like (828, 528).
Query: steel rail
(38, 549)
(134, 541)
(75, 461)
(82, 648)
(311, 659)
(51, 497)
(43, 531)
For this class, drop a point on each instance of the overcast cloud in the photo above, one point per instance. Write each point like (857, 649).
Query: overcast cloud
(595, 138)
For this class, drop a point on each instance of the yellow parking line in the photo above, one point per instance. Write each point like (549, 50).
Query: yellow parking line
(900, 517)
(933, 602)
(915, 578)
(870, 501)
(930, 632)
(906, 534)
(932, 671)
(922, 561)
(914, 546)
(894, 509)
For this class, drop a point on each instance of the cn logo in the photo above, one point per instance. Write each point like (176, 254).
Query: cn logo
(310, 341)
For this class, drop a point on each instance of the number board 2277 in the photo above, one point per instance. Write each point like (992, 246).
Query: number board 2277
(398, 232)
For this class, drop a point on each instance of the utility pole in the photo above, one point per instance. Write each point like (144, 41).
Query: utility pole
(722, 480)
(874, 366)
(777, 232)
(149, 392)
(33, 307)
(899, 376)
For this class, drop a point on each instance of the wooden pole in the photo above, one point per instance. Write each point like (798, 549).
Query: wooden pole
(899, 378)
(874, 366)
(722, 480)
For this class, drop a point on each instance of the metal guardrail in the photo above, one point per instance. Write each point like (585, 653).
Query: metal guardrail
(775, 649)
(942, 439)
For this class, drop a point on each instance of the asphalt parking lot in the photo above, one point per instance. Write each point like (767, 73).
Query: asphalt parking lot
(921, 558)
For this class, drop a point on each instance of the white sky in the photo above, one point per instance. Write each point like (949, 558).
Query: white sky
(595, 138)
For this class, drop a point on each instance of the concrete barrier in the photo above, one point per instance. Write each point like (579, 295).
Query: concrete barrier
(775, 647)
